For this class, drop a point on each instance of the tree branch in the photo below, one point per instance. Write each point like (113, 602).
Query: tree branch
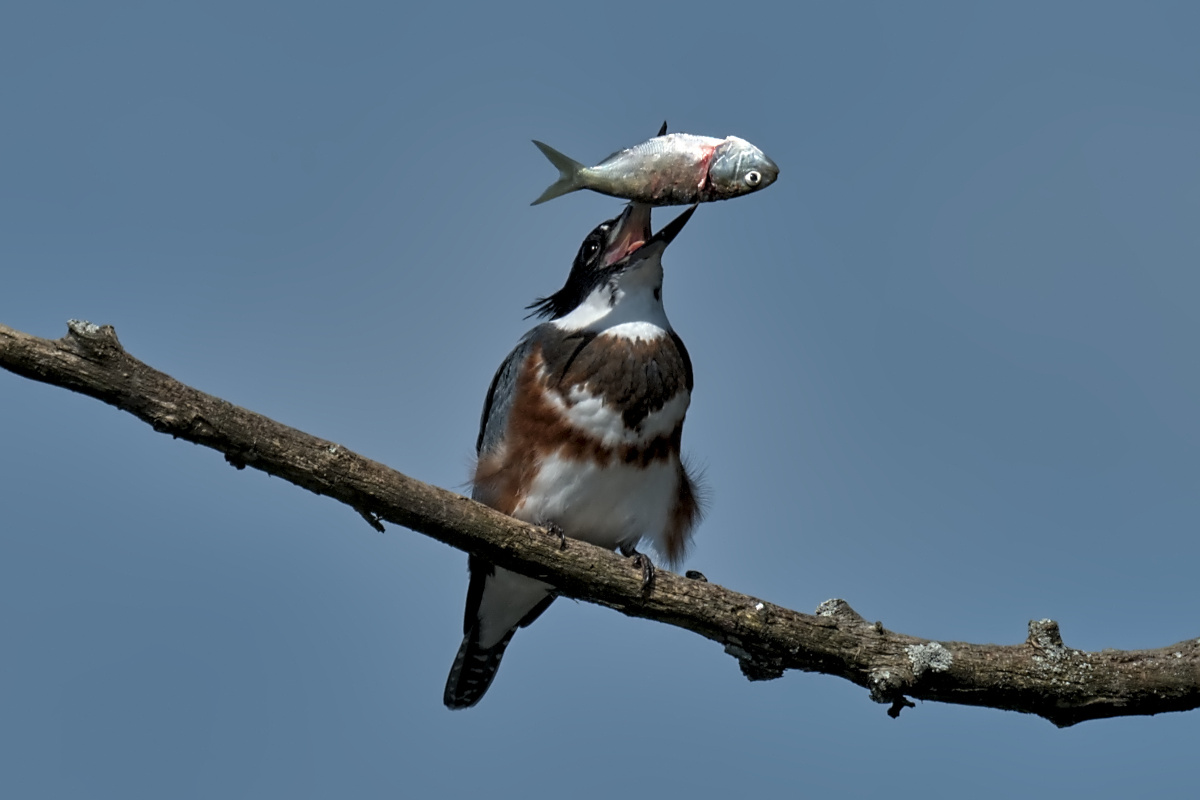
(1039, 676)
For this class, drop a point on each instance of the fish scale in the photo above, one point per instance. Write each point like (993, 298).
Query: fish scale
(671, 169)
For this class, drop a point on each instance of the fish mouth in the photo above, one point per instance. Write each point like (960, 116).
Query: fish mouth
(633, 232)
(770, 170)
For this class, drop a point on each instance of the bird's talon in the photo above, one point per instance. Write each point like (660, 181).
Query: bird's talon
(554, 529)
(641, 561)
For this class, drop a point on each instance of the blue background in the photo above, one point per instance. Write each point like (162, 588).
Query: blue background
(946, 369)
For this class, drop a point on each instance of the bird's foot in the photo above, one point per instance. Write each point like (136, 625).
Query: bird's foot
(643, 562)
(554, 529)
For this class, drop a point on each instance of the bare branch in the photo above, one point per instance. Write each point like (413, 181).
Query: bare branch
(1039, 676)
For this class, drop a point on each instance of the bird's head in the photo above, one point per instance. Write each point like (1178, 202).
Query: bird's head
(619, 255)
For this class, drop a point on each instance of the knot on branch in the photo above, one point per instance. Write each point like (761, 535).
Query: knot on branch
(886, 688)
(1068, 669)
(1045, 636)
(92, 340)
(755, 666)
(839, 610)
(241, 459)
(373, 519)
(884, 685)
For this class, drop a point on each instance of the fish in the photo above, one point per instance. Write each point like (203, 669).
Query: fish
(670, 169)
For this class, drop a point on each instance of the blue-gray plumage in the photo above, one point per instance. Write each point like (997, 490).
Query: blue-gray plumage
(500, 397)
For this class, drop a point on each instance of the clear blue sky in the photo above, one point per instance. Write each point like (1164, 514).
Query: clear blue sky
(946, 369)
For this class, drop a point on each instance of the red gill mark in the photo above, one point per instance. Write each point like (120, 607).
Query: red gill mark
(706, 162)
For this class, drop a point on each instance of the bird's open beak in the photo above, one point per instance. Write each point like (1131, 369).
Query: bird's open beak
(672, 229)
(633, 241)
(632, 232)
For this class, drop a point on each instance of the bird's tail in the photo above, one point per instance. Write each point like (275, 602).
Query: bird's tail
(473, 670)
(570, 174)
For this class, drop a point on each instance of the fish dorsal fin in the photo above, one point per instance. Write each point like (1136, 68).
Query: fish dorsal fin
(663, 130)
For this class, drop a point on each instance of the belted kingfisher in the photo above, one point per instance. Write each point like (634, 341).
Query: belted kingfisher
(581, 432)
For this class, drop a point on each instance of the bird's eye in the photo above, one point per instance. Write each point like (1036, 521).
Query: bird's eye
(589, 250)
(753, 177)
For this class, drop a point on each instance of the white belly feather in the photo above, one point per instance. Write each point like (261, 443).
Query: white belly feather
(610, 506)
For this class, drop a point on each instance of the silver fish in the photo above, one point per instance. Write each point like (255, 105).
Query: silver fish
(668, 170)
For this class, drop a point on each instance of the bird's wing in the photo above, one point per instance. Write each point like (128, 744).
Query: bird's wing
(500, 395)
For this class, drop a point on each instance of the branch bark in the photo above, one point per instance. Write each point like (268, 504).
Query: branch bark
(1039, 676)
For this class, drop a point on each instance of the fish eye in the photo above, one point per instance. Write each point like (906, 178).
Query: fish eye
(753, 177)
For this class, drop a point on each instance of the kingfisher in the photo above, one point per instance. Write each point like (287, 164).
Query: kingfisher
(581, 433)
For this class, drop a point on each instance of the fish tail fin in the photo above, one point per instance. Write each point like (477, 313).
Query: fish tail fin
(570, 174)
